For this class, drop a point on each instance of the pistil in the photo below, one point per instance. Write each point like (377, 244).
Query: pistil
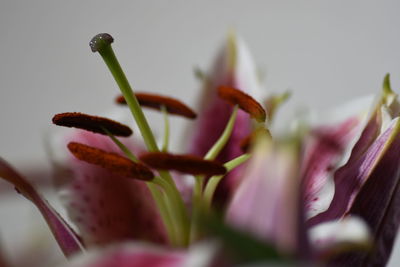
(102, 43)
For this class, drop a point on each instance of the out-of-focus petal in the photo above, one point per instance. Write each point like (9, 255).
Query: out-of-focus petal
(140, 254)
(67, 239)
(352, 176)
(378, 202)
(105, 207)
(233, 67)
(266, 203)
(330, 238)
(368, 188)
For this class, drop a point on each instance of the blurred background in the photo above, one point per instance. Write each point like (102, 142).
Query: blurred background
(326, 52)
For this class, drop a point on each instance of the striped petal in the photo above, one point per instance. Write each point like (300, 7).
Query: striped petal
(324, 148)
(368, 188)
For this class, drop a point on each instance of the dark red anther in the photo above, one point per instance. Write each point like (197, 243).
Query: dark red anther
(110, 161)
(155, 101)
(244, 101)
(91, 123)
(183, 163)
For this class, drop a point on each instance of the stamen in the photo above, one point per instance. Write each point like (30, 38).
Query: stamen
(110, 161)
(246, 143)
(244, 101)
(155, 101)
(91, 123)
(183, 163)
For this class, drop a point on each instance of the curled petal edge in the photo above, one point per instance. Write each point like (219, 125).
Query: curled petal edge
(65, 236)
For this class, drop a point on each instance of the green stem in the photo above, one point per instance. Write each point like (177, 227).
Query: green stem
(214, 180)
(224, 138)
(107, 53)
(177, 212)
(161, 202)
(166, 129)
(196, 204)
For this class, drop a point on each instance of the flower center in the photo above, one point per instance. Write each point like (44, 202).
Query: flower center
(181, 225)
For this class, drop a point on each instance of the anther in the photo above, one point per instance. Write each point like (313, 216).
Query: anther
(155, 101)
(110, 161)
(244, 101)
(91, 123)
(183, 163)
(99, 41)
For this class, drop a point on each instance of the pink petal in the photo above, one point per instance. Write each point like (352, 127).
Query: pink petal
(266, 203)
(108, 208)
(233, 67)
(68, 241)
(131, 255)
(351, 177)
(324, 148)
(378, 201)
(141, 255)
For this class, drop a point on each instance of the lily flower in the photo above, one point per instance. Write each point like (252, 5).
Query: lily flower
(127, 204)
(122, 191)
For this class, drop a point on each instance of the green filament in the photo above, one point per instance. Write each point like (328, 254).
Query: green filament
(215, 180)
(224, 138)
(166, 129)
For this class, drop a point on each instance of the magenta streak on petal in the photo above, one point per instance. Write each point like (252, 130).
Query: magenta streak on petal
(323, 150)
(351, 177)
(368, 136)
(108, 208)
(67, 239)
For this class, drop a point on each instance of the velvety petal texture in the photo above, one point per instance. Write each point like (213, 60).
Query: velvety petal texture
(106, 207)
(233, 67)
(68, 241)
(266, 202)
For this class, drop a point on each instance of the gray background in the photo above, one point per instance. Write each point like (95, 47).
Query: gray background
(326, 52)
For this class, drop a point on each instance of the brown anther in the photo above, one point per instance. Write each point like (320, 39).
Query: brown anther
(183, 163)
(155, 101)
(247, 142)
(91, 123)
(111, 161)
(244, 101)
